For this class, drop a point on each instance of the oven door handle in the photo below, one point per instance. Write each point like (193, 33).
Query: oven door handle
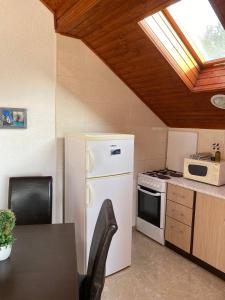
(149, 193)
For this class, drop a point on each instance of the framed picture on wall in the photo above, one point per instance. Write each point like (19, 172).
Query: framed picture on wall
(13, 118)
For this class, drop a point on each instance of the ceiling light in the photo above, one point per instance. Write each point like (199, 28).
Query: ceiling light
(218, 101)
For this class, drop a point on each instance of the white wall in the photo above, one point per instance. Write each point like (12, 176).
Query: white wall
(90, 97)
(27, 80)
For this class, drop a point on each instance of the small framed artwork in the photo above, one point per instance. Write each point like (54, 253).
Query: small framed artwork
(13, 118)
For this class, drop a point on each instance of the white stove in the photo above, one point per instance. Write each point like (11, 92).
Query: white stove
(152, 202)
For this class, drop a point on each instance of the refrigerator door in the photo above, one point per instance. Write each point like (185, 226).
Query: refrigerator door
(119, 190)
(109, 157)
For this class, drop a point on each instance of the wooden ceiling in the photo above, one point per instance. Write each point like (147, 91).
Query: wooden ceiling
(110, 28)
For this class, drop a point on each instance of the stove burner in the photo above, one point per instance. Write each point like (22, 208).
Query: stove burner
(172, 174)
(164, 174)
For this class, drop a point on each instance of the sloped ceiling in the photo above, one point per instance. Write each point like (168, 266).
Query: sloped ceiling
(111, 30)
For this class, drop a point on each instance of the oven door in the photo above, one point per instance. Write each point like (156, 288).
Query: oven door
(149, 205)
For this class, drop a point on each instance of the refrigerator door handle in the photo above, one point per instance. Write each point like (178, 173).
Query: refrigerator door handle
(90, 160)
(89, 198)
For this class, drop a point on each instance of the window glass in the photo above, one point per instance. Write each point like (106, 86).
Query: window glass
(201, 27)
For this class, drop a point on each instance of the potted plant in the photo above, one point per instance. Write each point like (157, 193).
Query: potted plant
(7, 223)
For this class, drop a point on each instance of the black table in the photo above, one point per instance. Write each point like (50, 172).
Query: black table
(42, 265)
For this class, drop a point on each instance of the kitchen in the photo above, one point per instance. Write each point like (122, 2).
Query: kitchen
(184, 206)
(127, 88)
(194, 228)
(180, 207)
(190, 192)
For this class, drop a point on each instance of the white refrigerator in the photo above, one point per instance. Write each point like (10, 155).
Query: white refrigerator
(99, 167)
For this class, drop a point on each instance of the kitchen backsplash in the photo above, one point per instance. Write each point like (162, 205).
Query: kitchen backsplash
(206, 137)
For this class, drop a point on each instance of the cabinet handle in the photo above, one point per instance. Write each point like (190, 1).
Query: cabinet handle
(178, 195)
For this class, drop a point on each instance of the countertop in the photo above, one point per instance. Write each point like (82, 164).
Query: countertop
(216, 191)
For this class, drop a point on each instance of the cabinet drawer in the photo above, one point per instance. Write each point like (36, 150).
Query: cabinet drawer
(180, 195)
(179, 212)
(178, 234)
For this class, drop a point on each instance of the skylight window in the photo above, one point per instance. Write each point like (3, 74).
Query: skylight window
(201, 27)
(191, 38)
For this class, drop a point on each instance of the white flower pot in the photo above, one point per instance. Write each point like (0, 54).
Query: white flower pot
(5, 252)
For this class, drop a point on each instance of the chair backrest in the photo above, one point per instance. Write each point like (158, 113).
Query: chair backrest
(30, 198)
(105, 228)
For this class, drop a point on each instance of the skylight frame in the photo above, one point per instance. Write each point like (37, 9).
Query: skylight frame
(172, 48)
(178, 30)
(182, 36)
(201, 77)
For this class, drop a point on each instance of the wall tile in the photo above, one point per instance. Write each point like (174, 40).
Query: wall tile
(208, 137)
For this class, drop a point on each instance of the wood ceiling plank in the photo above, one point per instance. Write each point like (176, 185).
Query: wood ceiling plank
(210, 81)
(218, 87)
(52, 4)
(216, 70)
(110, 29)
(75, 15)
(109, 15)
(219, 8)
(66, 5)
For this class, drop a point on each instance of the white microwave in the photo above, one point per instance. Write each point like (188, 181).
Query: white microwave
(205, 171)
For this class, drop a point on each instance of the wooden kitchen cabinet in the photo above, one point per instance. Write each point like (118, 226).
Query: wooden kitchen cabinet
(209, 231)
(179, 215)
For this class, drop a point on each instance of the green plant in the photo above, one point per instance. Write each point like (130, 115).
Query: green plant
(7, 223)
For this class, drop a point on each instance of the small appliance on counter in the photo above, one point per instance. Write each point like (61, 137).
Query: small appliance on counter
(206, 171)
(201, 156)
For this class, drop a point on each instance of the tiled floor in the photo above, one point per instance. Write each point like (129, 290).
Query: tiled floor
(158, 273)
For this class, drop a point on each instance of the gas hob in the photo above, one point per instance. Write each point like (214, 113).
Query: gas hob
(157, 179)
(164, 174)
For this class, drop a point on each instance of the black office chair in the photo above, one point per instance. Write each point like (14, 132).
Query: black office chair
(92, 284)
(30, 198)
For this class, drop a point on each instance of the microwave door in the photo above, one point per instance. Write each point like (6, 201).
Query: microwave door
(198, 170)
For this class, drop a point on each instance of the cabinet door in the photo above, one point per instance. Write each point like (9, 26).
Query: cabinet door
(209, 231)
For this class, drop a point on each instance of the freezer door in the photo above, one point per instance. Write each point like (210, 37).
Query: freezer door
(110, 157)
(119, 190)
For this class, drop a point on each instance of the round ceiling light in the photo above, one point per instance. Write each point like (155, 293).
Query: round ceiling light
(218, 101)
